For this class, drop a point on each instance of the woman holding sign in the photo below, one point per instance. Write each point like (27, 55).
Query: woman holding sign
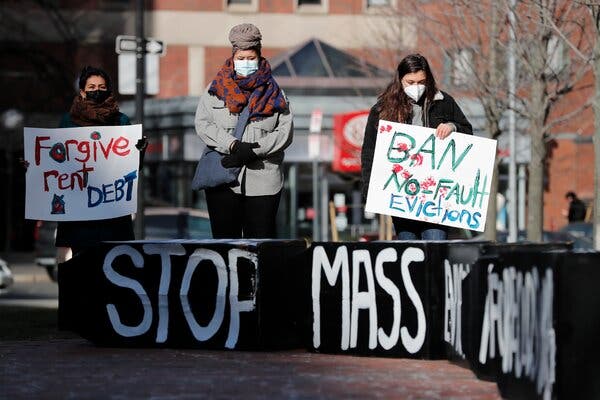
(94, 106)
(413, 98)
(246, 123)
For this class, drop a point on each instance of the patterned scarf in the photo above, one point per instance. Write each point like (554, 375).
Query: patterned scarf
(87, 113)
(259, 91)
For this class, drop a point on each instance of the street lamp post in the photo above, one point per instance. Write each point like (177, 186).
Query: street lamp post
(140, 54)
(512, 167)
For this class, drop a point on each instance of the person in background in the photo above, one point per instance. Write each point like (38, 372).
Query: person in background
(94, 105)
(413, 98)
(246, 208)
(577, 208)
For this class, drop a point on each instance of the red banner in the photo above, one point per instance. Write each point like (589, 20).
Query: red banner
(349, 131)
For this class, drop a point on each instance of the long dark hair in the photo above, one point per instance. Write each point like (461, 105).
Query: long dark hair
(394, 104)
(88, 71)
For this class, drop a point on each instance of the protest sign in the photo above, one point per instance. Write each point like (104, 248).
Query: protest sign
(84, 173)
(417, 176)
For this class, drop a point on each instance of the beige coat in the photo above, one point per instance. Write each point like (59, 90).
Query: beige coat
(264, 176)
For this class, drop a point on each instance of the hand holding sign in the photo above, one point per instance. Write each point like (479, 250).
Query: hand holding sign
(416, 175)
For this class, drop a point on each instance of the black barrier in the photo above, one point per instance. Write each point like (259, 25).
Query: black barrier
(550, 350)
(206, 294)
(578, 326)
(468, 269)
(376, 298)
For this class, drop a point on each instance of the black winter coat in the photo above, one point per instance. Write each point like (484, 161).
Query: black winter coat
(443, 109)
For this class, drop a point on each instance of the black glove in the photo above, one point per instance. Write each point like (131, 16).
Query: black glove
(142, 143)
(24, 163)
(231, 161)
(243, 151)
(141, 146)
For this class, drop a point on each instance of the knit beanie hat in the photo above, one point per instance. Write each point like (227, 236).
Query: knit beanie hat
(244, 37)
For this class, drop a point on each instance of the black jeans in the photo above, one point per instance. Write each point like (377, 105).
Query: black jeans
(236, 216)
(407, 229)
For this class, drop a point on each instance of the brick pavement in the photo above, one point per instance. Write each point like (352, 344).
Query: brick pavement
(74, 368)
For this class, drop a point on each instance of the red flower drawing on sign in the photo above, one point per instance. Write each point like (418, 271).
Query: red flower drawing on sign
(385, 128)
(405, 174)
(427, 183)
(418, 158)
(397, 168)
(443, 191)
(402, 147)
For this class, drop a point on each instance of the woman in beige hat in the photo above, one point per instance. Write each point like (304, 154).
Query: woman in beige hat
(245, 117)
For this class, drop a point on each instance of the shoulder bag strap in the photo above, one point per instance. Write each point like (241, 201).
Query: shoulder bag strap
(241, 123)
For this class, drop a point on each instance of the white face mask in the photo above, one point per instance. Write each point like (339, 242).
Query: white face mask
(415, 91)
(245, 67)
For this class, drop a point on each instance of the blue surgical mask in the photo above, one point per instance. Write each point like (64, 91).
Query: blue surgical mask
(245, 67)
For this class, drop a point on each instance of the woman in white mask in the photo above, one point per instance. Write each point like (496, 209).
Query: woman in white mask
(245, 117)
(413, 98)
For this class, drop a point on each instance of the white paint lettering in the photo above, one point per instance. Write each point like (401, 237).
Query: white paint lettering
(363, 300)
(413, 344)
(237, 306)
(340, 263)
(122, 281)
(204, 333)
(165, 251)
(388, 255)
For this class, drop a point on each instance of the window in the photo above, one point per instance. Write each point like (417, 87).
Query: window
(116, 5)
(459, 67)
(557, 60)
(307, 62)
(378, 3)
(312, 6)
(241, 5)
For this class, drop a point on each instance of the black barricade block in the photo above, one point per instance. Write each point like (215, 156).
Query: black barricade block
(460, 258)
(551, 350)
(578, 326)
(483, 351)
(376, 299)
(215, 294)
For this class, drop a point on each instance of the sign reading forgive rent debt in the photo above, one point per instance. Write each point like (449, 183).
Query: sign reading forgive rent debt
(85, 173)
(417, 176)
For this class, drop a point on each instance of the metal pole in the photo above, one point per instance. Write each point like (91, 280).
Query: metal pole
(324, 204)
(8, 195)
(315, 188)
(293, 179)
(512, 167)
(140, 91)
(522, 191)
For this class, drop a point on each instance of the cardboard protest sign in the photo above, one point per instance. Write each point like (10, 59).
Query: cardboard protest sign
(84, 173)
(417, 176)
